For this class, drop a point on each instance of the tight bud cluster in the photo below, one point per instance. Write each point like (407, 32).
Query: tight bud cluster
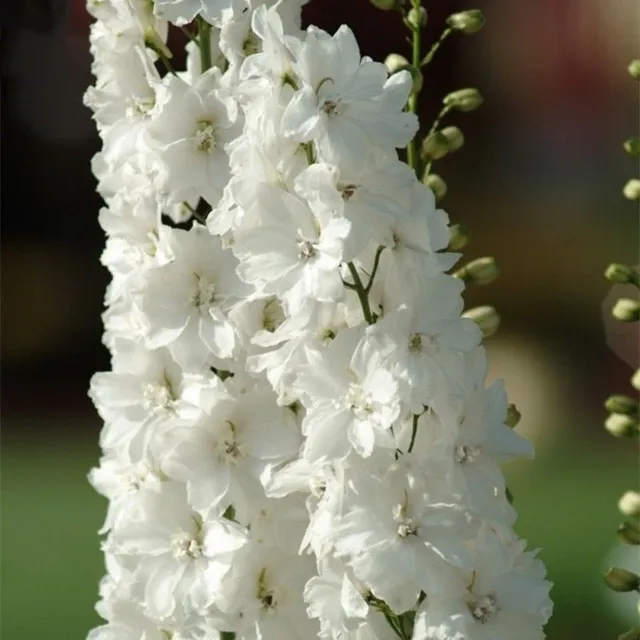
(298, 440)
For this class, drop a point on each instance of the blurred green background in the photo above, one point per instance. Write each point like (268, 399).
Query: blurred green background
(538, 183)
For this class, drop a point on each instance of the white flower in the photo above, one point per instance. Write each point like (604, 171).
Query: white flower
(295, 255)
(346, 104)
(351, 400)
(187, 300)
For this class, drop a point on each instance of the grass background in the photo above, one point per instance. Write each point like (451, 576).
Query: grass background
(51, 562)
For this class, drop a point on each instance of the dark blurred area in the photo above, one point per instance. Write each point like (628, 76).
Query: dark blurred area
(538, 182)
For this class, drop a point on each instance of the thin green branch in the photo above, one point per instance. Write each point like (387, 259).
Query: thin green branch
(204, 44)
(362, 293)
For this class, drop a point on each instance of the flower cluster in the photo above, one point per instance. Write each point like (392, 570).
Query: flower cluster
(298, 440)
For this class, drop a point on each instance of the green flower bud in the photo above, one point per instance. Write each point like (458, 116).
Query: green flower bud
(629, 504)
(629, 533)
(621, 425)
(395, 62)
(632, 146)
(634, 69)
(631, 190)
(153, 41)
(622, 404)
(464, 99)
(621, 580)
(435, 146)
(417, 18)
(466, 22)
(417, 77)
(454, 137)
(387, 5)
(635, 380)
(513, 416)
(626, 310)
(479, 271)
(622, 274)
(459, 237)
(487, 318)
(437, 185)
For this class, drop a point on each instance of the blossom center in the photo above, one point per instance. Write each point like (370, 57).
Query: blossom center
(251, 44)
(204, 295)
(272, 315)
(140, 107)
(358, 401)
(347, 190)
(406, 526)
(268, 597)
(306, 249)
(157, 397)
(332, 107)
(228, 448)
(184, 545)
(205, 136)
(483, 608)
(466, 453)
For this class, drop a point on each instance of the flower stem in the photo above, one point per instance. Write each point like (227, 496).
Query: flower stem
(204, 44)
(363, 296)
(416, 41)
(436, 45)
(434, 127)
(414, 432)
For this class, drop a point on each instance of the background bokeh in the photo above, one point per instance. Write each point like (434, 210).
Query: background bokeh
(538, 183)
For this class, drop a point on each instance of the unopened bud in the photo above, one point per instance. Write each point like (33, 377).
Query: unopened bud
(479, 271)
(459, 237)
(513, 416)
(629, 533)
(626, 310)
(395, 62)
(631, 190)
(635, 380)
(621, 425)
(632, 146)
(632, 634)
(622, 274)
(454, 137)
(621, 580)
(629, 504)
(622, 404)
(417, 77)
(417, 18)
(436, 184)
(634, 69)
(487, 319)
(467, 22)
(387, 5)
(464, 99)
(153, 41)
(435, 146)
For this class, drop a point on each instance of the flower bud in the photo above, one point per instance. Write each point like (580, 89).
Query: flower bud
(435, 146)
(395, 62)
(626, 310)
(387, 5)
(621, 580)
(464, 99)
(487, 318)
(629, 533)
(631, 190)
(634, 69)
(479, 271)
(635, 380)
(437, 185)
(459, 237)
(621, 425)
(466, 22)
(622, 404)
(513, 416)
(417, 18)
(632, 146)
(622, 274)
(153, 41)
(629, 504)
(417, 77)
(632, 634)
(454, 137)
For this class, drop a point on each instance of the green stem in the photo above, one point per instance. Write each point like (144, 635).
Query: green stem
(416, 41)
(436, 45)
(414, 432)
(362, 293)
(204, 44)
(434, 127)
(376, 262)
